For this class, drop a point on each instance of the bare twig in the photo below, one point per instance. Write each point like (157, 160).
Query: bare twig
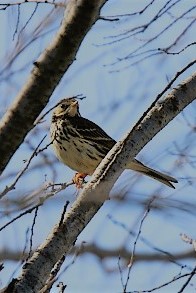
(20, 215)
(165, 284)
(55, 4)
(134, 13)
(17, 23)
(168, 86)
(41, 201)
(130, 265)
(63, 213)
(188, 280)
(13, 185)
(177, 53)
(32, 232)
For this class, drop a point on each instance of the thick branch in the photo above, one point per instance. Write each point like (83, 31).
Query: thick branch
(103, 254)
(48, 70)
(63, 237)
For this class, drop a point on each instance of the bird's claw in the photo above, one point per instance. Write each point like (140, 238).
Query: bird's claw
(78, 180)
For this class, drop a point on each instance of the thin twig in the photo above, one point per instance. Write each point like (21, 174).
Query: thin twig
(163, 285)
(32, 232)
(63, 213)
(188, 280)
(41, 201)
(130, 265)
(13, 185)
(20, 215)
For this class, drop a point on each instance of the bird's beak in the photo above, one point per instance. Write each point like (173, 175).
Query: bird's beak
(75, 104)
(74, 109)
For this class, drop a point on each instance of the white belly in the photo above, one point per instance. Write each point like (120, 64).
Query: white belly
(77, 157)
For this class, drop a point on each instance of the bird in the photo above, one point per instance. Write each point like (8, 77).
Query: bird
(81, 144)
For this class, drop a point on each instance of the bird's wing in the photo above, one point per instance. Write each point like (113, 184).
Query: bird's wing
(90, 131)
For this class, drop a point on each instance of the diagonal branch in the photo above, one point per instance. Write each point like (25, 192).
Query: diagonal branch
(62, 238)
(47, 72)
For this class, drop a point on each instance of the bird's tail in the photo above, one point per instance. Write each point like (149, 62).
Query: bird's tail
(139, 167)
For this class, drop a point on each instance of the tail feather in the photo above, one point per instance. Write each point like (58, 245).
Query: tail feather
(141, 168)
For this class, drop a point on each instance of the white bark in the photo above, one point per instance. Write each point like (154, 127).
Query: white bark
(62, 238)
(48, 70)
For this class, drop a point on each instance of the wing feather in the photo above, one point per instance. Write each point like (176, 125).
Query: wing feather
(91, 132)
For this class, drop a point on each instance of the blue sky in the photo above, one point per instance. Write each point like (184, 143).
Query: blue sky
(115, 99)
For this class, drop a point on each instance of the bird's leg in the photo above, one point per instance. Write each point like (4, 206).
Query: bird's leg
(78, 179)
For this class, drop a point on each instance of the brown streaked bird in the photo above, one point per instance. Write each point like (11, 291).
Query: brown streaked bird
(81, 144)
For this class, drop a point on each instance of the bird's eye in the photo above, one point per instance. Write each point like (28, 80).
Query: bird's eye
(63, 106)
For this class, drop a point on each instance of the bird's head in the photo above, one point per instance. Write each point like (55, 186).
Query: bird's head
(68, 107)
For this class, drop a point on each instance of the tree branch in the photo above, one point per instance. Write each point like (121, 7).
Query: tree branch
(62, 238)
(47, 72)
(105, 254)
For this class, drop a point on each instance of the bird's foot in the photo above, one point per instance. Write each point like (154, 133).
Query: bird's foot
(78, 180)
